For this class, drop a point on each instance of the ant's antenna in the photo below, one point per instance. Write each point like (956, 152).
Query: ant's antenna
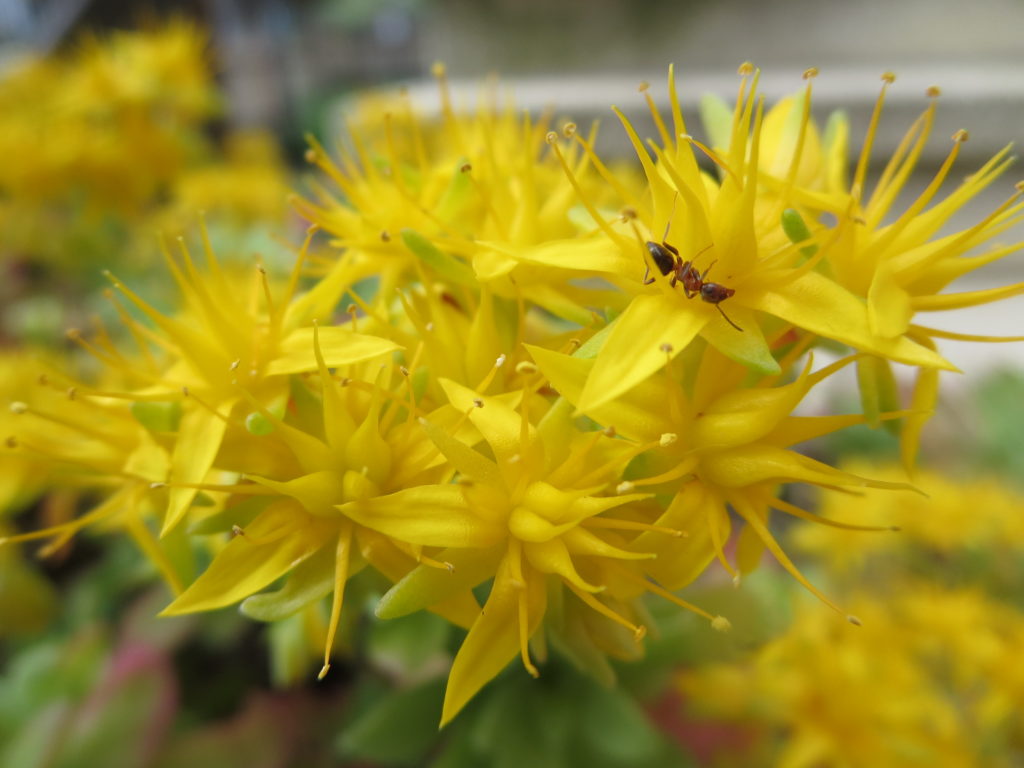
(668, 224)
(730, 322)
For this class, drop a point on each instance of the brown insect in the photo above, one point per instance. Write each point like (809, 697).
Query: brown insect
(695, 283)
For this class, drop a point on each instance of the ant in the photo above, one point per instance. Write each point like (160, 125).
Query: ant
(667, 259)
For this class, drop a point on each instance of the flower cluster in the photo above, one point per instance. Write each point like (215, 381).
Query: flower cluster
(929, 679)
(126, 150)
(519, 378)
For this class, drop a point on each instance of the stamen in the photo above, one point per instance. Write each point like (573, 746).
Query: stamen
(639, 631)
(632, 525)
(552, 140)
(666, 137)
(711, 155)
(857, 189)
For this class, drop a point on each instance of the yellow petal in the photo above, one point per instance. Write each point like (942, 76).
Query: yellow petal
(682, 559)
(499, 423)
(815, 303)
(339, 345)
(889, 311)
(747, 347)
(650, 331)
(493, 640)
(429, 515)
(466, 460)
(425, 585)
(638, 414)
(246, 564)
(582, 254)
(199, 437)
(318, 492)
(746, 415)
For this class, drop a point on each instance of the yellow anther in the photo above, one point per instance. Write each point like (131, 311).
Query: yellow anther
(500, 361)
(18, 407)
(889, 77)
(667, 439)
(810, 73)
(609, 431)
(624, 487)
(551, 137)
(666, 348)
(310, 155)
(466, 167)
(933, 91)
(569, 130)
(438, 69)
(644, 85)
(721, 624)
(961, 136)
(628, 214)
(745, 68)
(403, 370)
(525, 368)
(385, 236)
(854, 620)
(478, 402)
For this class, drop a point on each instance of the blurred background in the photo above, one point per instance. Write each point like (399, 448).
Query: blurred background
(90, 678)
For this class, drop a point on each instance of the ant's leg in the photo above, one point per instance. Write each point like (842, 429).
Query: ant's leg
(730, 322)
(647, 275)
(708, 270)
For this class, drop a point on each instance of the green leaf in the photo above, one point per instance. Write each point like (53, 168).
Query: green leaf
(615, 727)
(399, 730)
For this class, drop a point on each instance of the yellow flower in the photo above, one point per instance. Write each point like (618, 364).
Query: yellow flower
(946, 521)
(729, 447)
(774, 289)
(348, 443)
(927, 680)
(535, 517)
(477, 199)
(899, 264)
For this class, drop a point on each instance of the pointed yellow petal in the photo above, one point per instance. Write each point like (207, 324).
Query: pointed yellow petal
(339, 345)
(318, 492)
(817, 304)
(638, 414)
(592, 254)
(466, 460)
(889, 310)
(246, 565)
(682, 559)
(944, 301)
(199, 437)
(499, 423)
(493, 640)
(747, 347)
(644, 337)
(746, 415)
(425, 586)
(430, 515)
